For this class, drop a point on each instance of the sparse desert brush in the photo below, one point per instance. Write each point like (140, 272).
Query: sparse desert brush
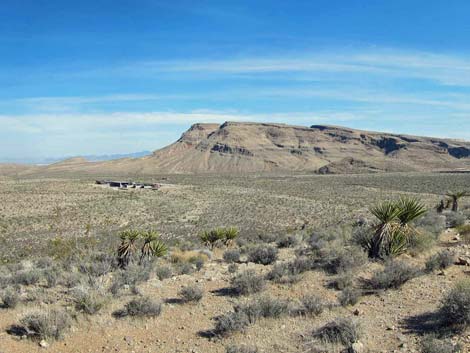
(163, 272)
(88, 301)
(288, 241)
(339, 259)
(394, 275)
(349, 296)
(141, 307)
(455, 307)
(241, 349)
(432, 222)
(440, 261)
(263, 254)
(179, 256)
(454, 219)
(464, 231)
(10, 297)
(232, 255)
(129, 277)
(232, 268)
(44, 324)
(343, 331)
(343, 280)
(191, 293)
(231, 322)
(247, 282)
(264, 307)
(432, 344)
(27, 277)
(309, 305)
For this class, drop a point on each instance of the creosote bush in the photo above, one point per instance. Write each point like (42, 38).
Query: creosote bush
(191, 293)
(10, 298)
(163, 272)
(230, 322)
(455, 307)
(343, 331)
(431, 344)
(263, 254)
(263, 307)
(310, 305)
(394, 275)
(88, 301)
(440, 261)
(46, 324)
(232, 255)
(241, 349)
(247, 282)
(141, 307)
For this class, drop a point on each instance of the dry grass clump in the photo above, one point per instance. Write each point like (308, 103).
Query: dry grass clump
(431, 344)
(163, 272)
(10, 298)
(88, 301)
(440, 261)
(233, 321)
(263, 254)
(455, 308)
(343, 331)
(141, 307)
(45, 324)
(263, 307)
(241, 349)
(394, 275)
(247, 282)
(310, 305)
(349, 296)
(191, 293)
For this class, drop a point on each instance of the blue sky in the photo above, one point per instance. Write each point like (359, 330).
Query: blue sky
(103, 77)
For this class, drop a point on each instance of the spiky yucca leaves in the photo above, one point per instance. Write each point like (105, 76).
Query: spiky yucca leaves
(212, 237)
(149, 237)
(229, 235)
(454, 198)
(158, 248)
(394, 230)
(127, 248)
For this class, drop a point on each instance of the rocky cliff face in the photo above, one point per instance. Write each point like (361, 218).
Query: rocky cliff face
(235, 147)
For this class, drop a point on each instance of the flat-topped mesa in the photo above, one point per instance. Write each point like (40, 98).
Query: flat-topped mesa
(198, 132)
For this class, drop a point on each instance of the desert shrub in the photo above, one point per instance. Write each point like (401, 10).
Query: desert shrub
(241, 349)
(130, 276)
(267, 238)
(27, 277)
(281, 273)
(163, 272)
(464, 231)
(98, 266)
(232, 255)
(141, 307)
(264, 307)
(10, 298)
(71, 279)
(52, 276)
(431, 344)
(88, 301)
(394, 275)
(232, 268)
(454, 219)
(432, 222)
(349, 296)
(46, 324)
(198, 262)
(287, 241)
(247, 282)
(310, 305)
(345, 259)
(44, 262)
(343, 280)
(263, 254)
(440, 261)
(191, 293)
(215, 237)
(421, 242)
(362, 236)
(455, 307)
(184, 268)
(340, 331)
(230, 322)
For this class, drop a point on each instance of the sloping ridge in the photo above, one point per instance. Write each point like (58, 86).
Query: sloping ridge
(241, 147)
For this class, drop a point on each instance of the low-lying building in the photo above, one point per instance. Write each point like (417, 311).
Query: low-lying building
(128, 184)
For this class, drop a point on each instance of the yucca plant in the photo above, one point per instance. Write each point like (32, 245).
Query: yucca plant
(152, 246)
(394, 230)
(127, 248)
(212, 237)
(229, 235)
(454, 198)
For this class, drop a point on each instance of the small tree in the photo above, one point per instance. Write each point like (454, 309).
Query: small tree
(454, 198)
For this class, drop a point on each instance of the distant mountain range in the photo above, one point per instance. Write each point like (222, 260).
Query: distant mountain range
(90, 158)
(236, 147)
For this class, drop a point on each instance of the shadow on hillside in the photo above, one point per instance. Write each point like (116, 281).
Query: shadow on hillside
(225, 292)
(426, 323)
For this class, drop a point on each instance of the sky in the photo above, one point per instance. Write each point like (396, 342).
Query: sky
(113, 76)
